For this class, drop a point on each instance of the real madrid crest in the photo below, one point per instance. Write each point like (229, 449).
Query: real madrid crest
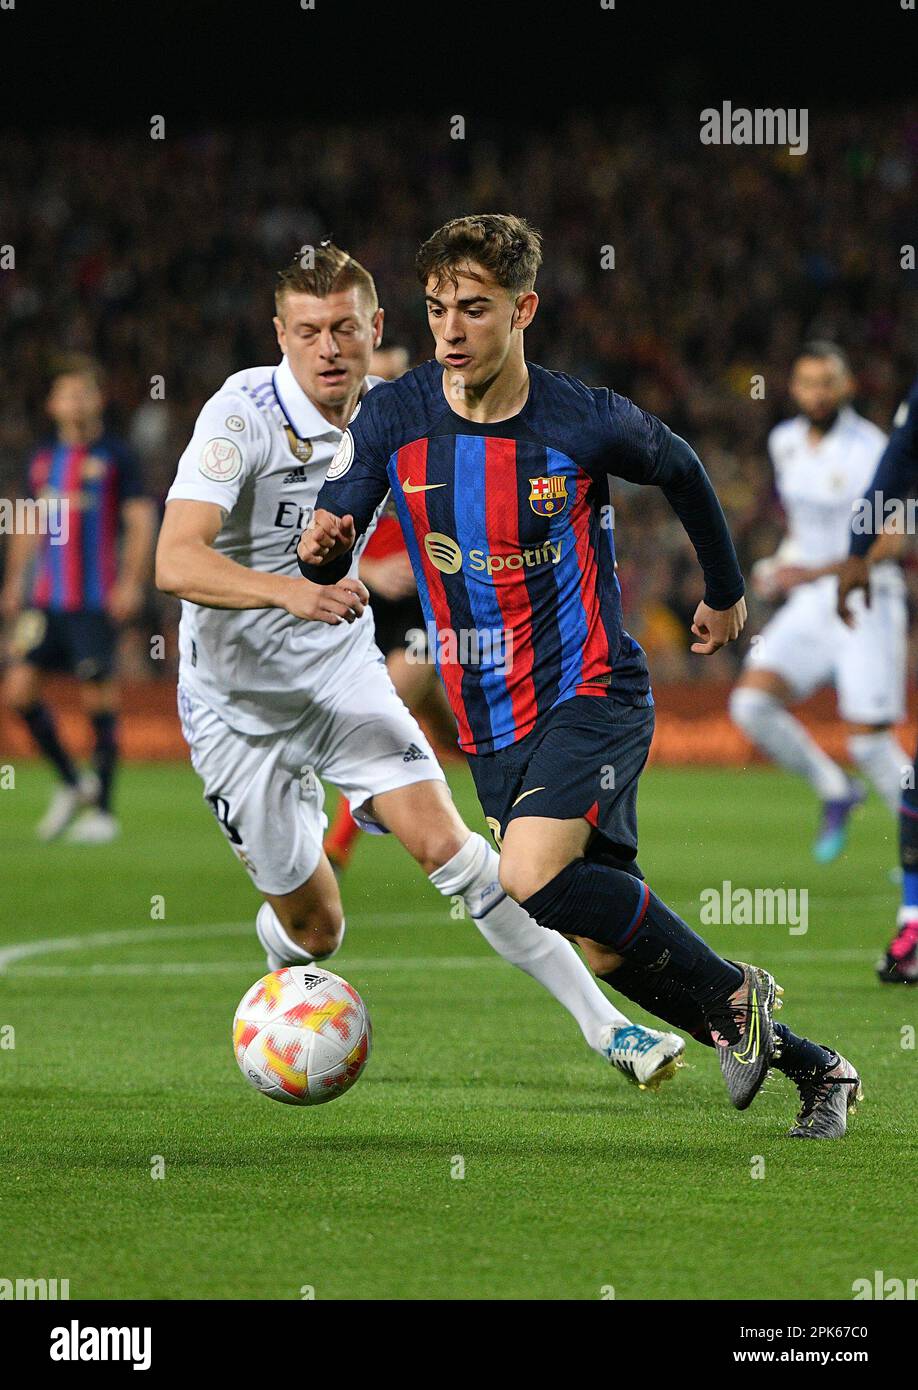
(300, 448)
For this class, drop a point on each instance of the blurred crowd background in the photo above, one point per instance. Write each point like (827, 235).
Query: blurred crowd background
(158, 257)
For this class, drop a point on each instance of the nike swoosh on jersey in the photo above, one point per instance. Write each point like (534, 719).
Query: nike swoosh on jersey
(523, 795)
(420, 487)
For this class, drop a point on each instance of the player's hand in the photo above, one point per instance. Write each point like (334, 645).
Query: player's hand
(391, 577)
(327, 603)
(125, 602)
(854, 574)
(715, 628)
(326, 537)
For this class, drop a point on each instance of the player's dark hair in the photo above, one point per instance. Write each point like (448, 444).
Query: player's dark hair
(322, 270)
(505, 245)
(824, 350)
(76, 364)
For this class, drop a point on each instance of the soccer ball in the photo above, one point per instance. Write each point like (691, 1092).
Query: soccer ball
(302, 1035)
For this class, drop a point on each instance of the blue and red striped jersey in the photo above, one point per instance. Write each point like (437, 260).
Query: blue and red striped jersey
(509, 530)
(94, 480)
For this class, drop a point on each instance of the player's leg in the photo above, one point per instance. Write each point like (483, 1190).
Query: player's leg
(269, 806)
(683, 985)
(758, 705)
(39, 650)
(582, 778)
(374, 751)
(306, 924)
(870, 679)
(93, 640)
(461, 863)
(900, 964)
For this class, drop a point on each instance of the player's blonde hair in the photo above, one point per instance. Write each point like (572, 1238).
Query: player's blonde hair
(322, 270)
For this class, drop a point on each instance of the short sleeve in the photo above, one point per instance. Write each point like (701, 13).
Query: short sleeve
(229, 445)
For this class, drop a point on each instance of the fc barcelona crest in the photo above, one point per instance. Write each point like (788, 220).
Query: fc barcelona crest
(548, 496)
(300, 448)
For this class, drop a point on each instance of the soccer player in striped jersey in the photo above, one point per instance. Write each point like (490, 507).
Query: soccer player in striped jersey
(67, 600)
(896, 475)
(499, 470)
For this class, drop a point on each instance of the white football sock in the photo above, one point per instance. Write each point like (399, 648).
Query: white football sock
(282, 949)
(773, 729)
(882, 760)
(546, 956)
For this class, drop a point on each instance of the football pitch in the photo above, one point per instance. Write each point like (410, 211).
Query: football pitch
(485, 1153)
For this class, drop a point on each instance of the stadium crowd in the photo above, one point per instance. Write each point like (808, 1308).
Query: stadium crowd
(158, 257)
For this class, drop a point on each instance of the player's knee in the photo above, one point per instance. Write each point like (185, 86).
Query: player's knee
(519, 877)
(747, 705)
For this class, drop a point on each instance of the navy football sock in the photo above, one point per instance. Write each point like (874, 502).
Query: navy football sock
(622, 913)
(800, 1059)
(105, 755)
(661, 996)
(40, 722)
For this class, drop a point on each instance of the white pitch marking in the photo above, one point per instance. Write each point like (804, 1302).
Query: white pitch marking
(225, 967)
(138, 936)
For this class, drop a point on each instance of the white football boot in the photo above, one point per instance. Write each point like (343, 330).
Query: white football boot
(94, 827)
(66, 804)
(643, 1055)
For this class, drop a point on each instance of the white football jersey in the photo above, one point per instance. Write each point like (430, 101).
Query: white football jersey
(261, 450)
(819, 485)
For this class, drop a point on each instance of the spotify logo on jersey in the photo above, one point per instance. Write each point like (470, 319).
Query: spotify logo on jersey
(443, 552)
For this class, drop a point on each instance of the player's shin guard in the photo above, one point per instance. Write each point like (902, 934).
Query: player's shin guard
(472, 873)
(665, 998)
(280, 948)
(622, 913)
(781, 736)
(881, 759)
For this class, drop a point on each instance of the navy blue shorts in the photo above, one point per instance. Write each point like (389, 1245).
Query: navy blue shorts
(83, 644)
(583, 759)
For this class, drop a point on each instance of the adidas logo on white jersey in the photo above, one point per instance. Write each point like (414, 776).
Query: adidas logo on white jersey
(412, 754)
(296, 475)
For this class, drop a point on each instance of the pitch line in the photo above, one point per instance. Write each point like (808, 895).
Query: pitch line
(50, 945)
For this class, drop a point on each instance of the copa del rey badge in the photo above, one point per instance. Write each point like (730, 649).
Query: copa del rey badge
(548, 496)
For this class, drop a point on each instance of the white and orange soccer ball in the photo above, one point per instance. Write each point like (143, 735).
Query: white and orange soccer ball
(302, 1035)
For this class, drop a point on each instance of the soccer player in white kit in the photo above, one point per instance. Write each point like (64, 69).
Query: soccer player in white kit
(281, 683)
(824, 459)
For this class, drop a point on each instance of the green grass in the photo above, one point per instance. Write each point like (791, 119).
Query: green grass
(573, 1180)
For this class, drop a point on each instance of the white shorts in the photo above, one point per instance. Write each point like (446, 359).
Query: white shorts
(808, 645)
(265, 790)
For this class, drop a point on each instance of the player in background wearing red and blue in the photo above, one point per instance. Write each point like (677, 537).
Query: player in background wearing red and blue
(68, 600)
(871, 543)
(499, 471)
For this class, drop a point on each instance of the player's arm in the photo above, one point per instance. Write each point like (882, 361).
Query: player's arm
(21, 548)
(896, 475)
(138, 519)
(354, 489)
(188, 567)
(645, 451)
(19, 555)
